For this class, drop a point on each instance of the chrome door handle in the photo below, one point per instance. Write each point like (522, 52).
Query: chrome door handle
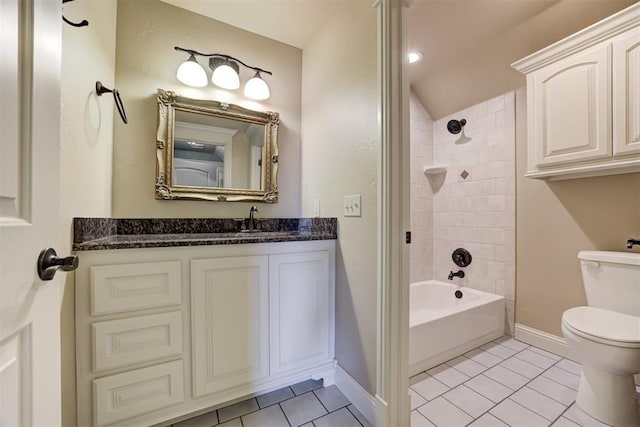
(49, 263)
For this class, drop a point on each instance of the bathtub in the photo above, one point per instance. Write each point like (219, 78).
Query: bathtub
(442, 326)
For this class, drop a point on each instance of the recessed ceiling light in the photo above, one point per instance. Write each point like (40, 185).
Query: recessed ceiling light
(196, 144)
(414, 56)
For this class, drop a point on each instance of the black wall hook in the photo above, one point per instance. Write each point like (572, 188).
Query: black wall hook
(100, 89)
(82, 23)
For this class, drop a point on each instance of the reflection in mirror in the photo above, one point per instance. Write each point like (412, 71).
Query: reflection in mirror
(215, 151)
(210, 151)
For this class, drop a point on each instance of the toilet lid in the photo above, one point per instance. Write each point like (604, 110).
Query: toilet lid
(604, 324)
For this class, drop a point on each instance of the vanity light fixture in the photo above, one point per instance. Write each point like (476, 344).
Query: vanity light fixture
(191, 73)
(225, 73)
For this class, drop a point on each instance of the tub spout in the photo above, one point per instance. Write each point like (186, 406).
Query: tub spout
(458, 273)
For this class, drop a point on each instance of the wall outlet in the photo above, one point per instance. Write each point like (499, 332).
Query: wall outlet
(352, 205)
(316, 207)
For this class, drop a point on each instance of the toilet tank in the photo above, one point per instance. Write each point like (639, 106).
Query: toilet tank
(612, 280)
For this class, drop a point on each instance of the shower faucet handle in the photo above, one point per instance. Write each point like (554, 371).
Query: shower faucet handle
(632, 242)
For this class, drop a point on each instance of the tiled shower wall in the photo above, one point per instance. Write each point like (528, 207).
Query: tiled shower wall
(476, 212)
(421, 139)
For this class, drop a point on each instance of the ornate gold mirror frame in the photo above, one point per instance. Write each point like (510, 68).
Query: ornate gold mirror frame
(167, 187)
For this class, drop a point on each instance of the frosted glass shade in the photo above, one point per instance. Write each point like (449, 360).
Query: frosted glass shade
(191, 73)
(256, 88)
(225, 76)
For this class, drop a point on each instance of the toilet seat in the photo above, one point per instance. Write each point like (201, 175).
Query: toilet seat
(604, 326)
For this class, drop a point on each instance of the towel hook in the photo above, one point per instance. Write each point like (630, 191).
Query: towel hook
(82, 23)
(100, 89)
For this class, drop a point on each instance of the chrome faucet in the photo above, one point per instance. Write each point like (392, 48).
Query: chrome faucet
(252, 222)
(632, 242)
(458, 273)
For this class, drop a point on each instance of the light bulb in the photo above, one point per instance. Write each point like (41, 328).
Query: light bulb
(191, 73)
(256, 88)
(414, 57)
(225, 73)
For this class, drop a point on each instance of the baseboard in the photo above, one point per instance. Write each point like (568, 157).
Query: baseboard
(361, 399)
(543, 340)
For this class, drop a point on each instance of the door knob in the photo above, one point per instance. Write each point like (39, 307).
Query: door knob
(49, 263)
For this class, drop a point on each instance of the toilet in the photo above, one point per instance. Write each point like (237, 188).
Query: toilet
(605, 336)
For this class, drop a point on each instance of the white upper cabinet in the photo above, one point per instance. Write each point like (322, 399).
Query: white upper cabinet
(626, 93)
(583, 101)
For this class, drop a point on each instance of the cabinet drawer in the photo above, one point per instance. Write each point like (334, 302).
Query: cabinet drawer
(125, 287)
(119, 343)
(130, 394)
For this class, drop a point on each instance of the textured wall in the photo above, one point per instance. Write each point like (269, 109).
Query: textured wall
(146, 34)
(340, 152)
(86, 137)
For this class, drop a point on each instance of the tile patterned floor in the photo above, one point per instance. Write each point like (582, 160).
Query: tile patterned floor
(306, 404)
(503, 383)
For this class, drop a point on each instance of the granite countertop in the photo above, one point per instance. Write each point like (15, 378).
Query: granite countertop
(130, 233)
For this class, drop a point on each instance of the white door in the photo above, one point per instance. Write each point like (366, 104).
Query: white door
(30, 32)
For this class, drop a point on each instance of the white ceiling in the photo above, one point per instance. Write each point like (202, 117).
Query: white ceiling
(468, 45)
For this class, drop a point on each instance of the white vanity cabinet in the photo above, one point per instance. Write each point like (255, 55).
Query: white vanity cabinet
(583, 101)
(165, 332)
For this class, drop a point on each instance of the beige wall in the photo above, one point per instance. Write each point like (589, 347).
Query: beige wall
(340, 157)
(554, 221)
(147, 31)
(86, 135)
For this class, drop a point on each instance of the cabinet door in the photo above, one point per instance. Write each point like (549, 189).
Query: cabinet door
(626, 93)
(571, 112)
(229, 322)
(301, 303)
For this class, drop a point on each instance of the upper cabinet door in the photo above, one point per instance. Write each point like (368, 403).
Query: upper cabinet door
(626, 93)
(571, 111)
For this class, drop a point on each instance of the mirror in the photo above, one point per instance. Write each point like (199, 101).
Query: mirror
(209, 150)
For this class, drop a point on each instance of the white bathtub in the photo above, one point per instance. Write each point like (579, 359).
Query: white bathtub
(442, 327)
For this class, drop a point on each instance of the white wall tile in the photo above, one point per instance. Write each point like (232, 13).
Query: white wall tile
(477, 213)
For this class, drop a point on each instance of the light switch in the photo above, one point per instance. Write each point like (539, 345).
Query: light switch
(316, 207)
(352, 205)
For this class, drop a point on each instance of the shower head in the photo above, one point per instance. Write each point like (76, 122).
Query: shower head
(455, 126)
